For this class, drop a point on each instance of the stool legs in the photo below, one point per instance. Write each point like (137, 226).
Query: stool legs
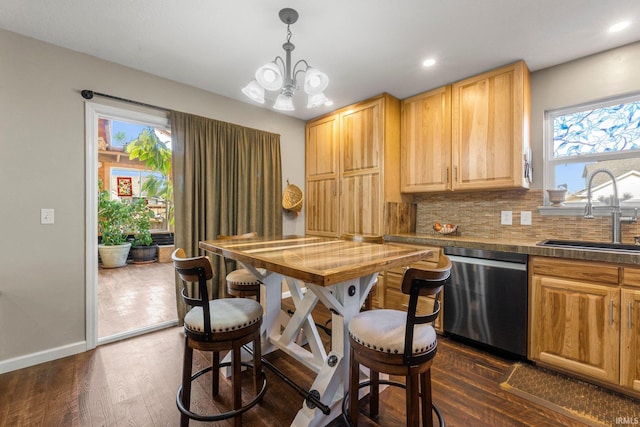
(354, 380)
(257, 365)
(236, 361)
(417, 398)
(374, 393)
(412, 400)
(425, 386)
(186, 381)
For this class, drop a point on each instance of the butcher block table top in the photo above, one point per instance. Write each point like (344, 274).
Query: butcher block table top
(319, 260)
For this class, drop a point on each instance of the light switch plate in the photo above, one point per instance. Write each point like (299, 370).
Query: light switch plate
(506, 217)
(525, 217)
(46, 216)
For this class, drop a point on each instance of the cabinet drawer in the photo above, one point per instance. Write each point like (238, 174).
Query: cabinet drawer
(598, 272)
(631, 276)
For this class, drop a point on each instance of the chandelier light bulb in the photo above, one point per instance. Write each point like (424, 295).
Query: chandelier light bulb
(269, 76)
(254, 91)
(315, 81)
(284, 103)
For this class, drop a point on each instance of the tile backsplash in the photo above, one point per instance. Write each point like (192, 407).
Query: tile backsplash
(478, 215)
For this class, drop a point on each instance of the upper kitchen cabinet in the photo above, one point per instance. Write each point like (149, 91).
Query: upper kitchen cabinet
(490, 129)
(471, 135)
(426, 141)
(322, 176)
(353, 164)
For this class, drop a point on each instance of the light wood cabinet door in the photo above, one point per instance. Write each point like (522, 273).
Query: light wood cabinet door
(426, 142)
(322, 170)
(575, 326)
(361, 194)
(630, 339)
(490, 129)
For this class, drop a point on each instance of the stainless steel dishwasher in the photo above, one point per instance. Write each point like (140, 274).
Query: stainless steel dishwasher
(486, 299)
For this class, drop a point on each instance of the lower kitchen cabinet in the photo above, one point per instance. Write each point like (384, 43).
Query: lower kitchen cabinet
(630, 330)
(390, 294)
(584, 319)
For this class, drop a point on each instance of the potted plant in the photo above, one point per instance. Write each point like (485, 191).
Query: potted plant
(143, 249)
(114, 223)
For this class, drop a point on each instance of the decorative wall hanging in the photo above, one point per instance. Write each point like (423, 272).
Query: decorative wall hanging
(125, 187)
(292, 198)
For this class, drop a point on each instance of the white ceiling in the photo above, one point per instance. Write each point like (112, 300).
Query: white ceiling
(365, 46)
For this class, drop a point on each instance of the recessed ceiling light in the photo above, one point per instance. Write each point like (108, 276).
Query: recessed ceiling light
(429, 62)
(619, 26)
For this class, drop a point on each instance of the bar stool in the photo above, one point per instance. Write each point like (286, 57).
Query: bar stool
(398, 343)
(217, 326)
(241, 282)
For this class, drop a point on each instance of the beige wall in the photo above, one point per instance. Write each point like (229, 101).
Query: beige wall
(42, 165)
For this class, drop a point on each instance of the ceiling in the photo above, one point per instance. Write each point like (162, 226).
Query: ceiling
(365, 46)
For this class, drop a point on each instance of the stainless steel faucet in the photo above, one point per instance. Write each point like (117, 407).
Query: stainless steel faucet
(616, 214)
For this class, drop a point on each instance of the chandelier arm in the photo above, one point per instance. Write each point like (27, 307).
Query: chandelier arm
(295, 67)
(295, 74)
(281, 63)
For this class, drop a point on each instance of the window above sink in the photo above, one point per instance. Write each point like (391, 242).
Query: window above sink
(581, 139)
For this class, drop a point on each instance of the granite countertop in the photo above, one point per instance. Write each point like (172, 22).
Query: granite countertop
(517, 246)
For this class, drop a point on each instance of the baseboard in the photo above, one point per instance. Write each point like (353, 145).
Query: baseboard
(41, 357)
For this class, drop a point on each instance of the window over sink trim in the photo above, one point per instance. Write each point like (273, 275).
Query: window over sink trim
(582, 138)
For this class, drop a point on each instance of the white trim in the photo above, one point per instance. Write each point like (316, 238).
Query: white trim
(91, 225)
(92, 112)
(145, 330)
(42, 356)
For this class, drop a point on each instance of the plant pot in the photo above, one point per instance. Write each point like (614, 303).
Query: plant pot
(144, 254)
(114, 256)
(556, 197)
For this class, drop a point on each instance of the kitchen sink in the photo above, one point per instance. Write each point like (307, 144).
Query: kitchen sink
(593, 246)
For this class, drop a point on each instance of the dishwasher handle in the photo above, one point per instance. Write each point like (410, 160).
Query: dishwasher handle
(488, 263)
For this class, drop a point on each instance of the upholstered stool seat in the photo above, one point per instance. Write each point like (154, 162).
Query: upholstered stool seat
(226, 315)
(218, 325)
(242, 283)
(384, 331)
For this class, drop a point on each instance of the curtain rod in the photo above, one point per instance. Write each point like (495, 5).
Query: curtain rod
(89, 94)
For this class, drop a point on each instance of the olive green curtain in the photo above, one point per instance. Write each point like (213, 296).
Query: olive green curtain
(227, 180)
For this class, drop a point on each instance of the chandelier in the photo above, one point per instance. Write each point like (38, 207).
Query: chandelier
(279, 76)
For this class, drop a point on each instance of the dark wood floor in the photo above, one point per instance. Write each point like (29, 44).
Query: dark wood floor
(133, 382)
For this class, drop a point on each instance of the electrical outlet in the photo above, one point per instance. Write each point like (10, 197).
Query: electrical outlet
(46, 216)
(525, 217)
(506, 217)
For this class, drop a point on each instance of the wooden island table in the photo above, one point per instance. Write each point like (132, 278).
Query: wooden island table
(337, 273)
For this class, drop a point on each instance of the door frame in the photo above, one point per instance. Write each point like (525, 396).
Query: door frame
(93, 111)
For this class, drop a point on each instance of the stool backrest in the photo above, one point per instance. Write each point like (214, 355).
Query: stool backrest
(250, 235)
(417, 283)
(364, 238)
(195, 270)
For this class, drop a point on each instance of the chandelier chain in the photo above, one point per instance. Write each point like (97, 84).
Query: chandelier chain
(289, 34)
